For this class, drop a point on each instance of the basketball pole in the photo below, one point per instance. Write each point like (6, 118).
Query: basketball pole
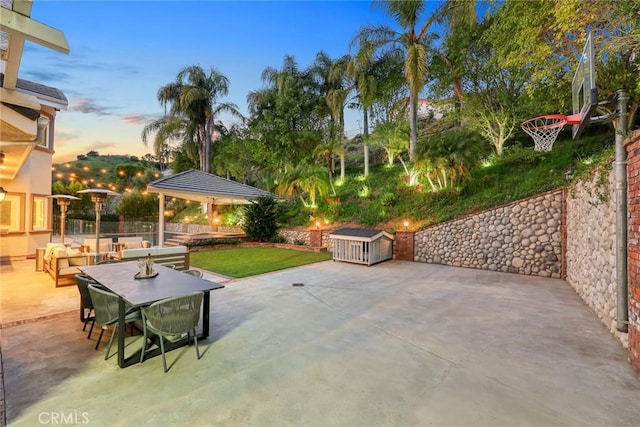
(622, 298)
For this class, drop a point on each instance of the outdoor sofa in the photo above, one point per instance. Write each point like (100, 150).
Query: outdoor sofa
(177, 256)
(62, 263)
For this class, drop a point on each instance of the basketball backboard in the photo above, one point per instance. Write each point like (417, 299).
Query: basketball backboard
(583, 88)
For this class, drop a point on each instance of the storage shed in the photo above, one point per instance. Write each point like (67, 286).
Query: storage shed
(361, 246)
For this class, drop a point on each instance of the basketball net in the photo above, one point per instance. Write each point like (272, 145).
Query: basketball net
(545, 129)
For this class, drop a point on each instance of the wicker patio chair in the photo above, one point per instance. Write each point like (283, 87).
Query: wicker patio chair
(170, 319)
(105, 306)
(195, 273)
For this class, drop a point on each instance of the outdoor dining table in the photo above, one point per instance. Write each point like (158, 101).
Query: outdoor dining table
(119, 278)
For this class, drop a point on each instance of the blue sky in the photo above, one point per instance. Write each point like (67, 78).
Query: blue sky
(122, 52)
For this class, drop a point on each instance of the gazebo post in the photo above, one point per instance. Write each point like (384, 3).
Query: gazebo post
(160, 219)
(212, 214)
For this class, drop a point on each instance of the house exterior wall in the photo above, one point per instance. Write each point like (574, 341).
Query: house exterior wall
(33, 179)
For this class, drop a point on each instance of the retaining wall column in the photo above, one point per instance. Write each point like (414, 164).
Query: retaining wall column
(315, 238)
(404, 245)
(633, 197)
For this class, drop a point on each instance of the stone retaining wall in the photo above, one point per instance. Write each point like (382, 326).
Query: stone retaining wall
(304, 235)
(173, 227)
(591, 243)
(296, 235)
(522, 237)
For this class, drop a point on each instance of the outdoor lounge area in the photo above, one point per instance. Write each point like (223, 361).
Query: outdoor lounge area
(353, 346)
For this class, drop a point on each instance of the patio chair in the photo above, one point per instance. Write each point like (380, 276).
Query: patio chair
(86, 305)
(170, 319)
(195, 273)
(105, 307)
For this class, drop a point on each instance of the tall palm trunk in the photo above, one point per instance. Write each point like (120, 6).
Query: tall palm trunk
(205, 157)
(413, 125)
(365, 117)
(341, 136)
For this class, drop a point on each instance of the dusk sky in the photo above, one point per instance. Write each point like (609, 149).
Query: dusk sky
(122, 52)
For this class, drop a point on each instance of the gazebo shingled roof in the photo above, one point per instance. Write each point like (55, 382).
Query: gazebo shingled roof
(206, 188)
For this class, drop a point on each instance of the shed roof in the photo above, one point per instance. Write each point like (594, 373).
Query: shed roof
(363, 234)
(206, 188)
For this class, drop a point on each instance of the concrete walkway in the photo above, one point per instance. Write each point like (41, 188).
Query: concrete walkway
(395, 344)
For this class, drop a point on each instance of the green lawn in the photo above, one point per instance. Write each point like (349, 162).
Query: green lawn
(243, 262)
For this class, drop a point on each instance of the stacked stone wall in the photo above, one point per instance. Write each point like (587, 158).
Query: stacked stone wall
(304, 235)
(174, 227)
(633, 198)
(522, 237)
(294, 236)
(591, 245)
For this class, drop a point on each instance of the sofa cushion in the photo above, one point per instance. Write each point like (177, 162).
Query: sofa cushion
(105, 245)
(61, 255)
(69, 271)
(76, 257)
(131, 242)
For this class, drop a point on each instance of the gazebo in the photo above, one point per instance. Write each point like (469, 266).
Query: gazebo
(202, 187)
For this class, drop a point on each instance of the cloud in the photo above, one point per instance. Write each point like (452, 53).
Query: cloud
(63, 136)
(137, 119)
(88, 106)
(43, 77)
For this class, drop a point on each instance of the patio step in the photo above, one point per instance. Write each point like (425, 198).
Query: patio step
(174, 242)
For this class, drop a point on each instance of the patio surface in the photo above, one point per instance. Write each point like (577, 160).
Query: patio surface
(395, 344)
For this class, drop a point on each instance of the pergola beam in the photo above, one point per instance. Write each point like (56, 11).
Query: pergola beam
(24, 27)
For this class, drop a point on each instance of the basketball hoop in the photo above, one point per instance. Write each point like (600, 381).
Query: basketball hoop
(545, 129)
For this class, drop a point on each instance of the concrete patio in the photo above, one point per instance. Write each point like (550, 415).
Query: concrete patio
(397, 344)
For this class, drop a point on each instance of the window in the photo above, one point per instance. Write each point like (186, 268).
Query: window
(45, 134)
(11, 213)
(39, 213)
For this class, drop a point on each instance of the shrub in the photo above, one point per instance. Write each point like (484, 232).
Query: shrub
(260, 219)
(212, 242)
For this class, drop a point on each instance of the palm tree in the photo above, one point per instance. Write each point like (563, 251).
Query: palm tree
(414, 41)
(327, 150)
(193, 109)
(331, 77)
(307, 179)
(360, 69)
(167, 129)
